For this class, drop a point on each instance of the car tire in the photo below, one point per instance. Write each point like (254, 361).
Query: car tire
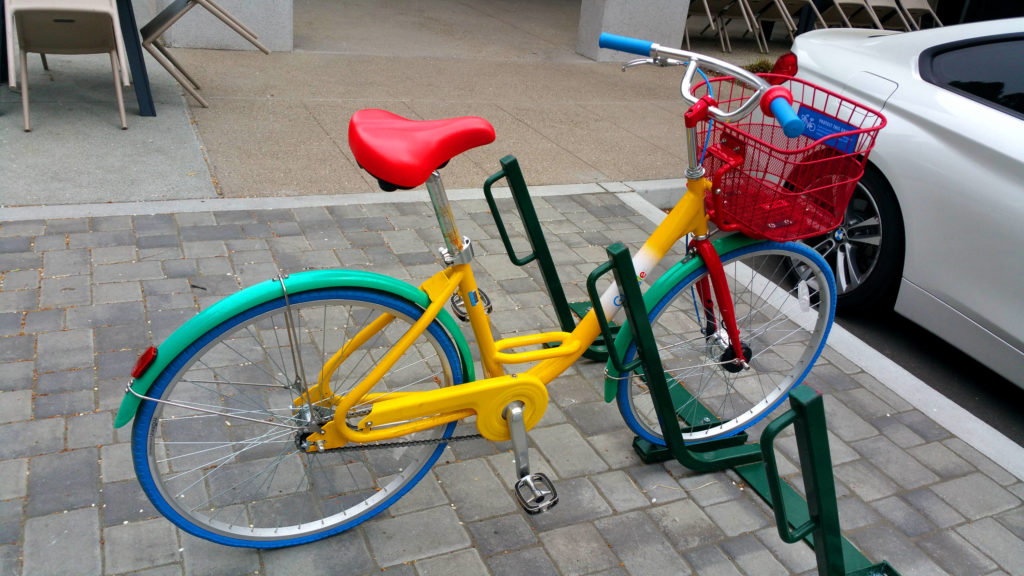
(866, 251)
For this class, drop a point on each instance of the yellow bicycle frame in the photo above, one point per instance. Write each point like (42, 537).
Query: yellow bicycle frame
(397, 414)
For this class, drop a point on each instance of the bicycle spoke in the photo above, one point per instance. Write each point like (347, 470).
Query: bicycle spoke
(271, 466)
(781, 325)
(225, 445)
(216, 464)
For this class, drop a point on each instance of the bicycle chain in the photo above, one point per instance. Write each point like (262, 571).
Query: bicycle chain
(407, 443)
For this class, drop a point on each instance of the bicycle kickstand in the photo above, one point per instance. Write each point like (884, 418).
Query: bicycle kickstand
(534, 492)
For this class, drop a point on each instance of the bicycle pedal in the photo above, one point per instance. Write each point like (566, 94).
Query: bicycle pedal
(536, 493)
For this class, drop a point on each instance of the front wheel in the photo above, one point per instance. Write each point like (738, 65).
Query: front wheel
(784, 298)
(223, 454)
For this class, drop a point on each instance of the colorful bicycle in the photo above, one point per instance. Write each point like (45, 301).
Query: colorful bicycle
(305, 405)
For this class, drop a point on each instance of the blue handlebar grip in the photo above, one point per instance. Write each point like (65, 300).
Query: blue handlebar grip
(625, 44)
(791, 124)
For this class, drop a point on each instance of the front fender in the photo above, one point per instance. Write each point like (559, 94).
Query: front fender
(265, 292)
(655, 293)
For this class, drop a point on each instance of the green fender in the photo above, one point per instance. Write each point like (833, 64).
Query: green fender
(270, 290)
(655, 293)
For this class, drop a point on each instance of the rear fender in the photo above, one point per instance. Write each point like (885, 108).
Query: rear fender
(265, 292)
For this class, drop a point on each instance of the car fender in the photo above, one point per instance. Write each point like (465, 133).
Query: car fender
(265, 292)
(871, 89)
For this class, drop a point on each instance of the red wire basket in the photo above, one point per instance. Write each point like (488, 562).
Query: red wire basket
(767, 185)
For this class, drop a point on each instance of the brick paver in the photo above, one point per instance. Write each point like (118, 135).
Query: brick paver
(79, 298)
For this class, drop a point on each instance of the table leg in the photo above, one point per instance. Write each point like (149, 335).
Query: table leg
(3, 45)
(136, 62)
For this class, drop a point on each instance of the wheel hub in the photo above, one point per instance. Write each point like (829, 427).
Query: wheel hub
(728, 359)
(312, 420)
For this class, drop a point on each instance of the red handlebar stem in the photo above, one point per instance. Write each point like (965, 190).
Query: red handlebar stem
(699, 111)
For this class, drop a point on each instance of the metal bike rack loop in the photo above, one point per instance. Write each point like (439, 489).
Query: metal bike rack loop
(815, 520)
(541, 254)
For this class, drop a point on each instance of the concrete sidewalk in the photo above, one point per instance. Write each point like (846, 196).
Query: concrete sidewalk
(106, 247)
(277, 125)
(83, 295)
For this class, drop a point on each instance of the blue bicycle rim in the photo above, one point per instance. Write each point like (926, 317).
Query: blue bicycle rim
(140, 430)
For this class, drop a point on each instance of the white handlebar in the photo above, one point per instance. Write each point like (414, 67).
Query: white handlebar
(693, 61)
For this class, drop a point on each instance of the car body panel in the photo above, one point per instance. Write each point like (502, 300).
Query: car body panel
(872, 89)
(939, 318)
(957, 168)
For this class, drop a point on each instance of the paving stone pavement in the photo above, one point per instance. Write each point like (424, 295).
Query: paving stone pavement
(81, 297)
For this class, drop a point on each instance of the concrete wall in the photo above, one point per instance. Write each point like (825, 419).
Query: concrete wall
(271, 20)
(660, 21)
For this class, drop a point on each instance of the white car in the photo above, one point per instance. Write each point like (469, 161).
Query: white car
(936, 226)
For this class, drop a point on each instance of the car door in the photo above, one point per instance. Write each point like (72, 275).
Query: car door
(964, 204)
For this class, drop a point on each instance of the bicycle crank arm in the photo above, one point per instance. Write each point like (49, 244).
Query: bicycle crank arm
(393, 416)
(534, 492)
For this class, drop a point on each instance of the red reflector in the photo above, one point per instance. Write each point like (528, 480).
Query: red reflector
(144, 361)
(786, 65)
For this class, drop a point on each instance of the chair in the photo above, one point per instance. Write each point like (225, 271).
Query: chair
(790, 10)
(918, 8)
(771, 11)
(887, 13)
(764, 11)
(12, 6)
(702, 8)
(741, 10)
(720, 13)
(155, 28)
(67, 31)
(860, 13)
(886, 10)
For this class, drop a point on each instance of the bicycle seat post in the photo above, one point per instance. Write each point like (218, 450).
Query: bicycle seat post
(443, 210)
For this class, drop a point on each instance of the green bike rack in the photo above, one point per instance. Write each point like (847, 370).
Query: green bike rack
(815, 520)
(564, 310)
(706, 457)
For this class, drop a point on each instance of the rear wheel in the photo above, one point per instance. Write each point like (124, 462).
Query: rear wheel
(224, 456)
(784, 297)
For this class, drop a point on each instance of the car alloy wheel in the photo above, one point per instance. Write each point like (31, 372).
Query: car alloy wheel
(866, 250)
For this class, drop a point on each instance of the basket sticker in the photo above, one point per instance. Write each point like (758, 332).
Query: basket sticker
(818, 125)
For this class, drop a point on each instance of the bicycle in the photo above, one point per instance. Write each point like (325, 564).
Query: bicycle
(305, 405)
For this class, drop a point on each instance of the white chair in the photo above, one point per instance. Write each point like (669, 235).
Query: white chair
(719, 14)
(888, 14)
(918, 8)
(860, 12)
(103, 6)
(772, 11)
(174, 11)
(790, 10)
(66, 31)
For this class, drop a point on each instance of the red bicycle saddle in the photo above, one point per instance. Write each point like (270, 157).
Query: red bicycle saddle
(403, 152)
